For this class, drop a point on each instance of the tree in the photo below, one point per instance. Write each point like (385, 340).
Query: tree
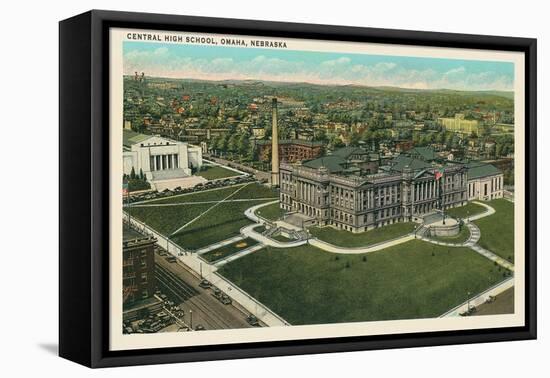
(251, 153)
(221, 143)
(243, 144)
(232, 144)
(354, 140)
(133, 174)
(141, 176)
(321, 136)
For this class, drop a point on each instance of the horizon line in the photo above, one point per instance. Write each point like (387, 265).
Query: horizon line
(332, 84)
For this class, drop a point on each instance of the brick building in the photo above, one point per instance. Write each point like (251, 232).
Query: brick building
(138, 267)
(291, 150)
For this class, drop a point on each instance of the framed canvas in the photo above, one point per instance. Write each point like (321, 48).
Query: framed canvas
(235, 188)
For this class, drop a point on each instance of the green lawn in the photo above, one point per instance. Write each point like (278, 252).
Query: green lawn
(207, 195)
(167, 219)
(223, 222)
(255, 190)
(212, 172)
(462, 236)
(497, 230)
(467, 210)
(228, 250)
(260, 228)
(413, 280)
(344, 238)
(281, 238)
(270, 212)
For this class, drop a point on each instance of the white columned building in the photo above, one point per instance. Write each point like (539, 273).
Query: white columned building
(165, 163)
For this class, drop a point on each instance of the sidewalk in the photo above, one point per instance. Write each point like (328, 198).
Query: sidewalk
(250, 233)
(238, 255)
(350, 251)
(490, 211)
(480, 298)
(208, 271)
(493, 257)
(250, 213)
(220, 244)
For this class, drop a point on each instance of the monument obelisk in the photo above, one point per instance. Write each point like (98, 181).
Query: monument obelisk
(274, 145)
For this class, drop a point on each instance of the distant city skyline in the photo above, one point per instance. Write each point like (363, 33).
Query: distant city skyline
(241, 63)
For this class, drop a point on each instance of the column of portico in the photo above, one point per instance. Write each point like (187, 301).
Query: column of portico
(423, 191)
(426, 190)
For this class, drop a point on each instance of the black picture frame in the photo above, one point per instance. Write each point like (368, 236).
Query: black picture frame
(84, 189)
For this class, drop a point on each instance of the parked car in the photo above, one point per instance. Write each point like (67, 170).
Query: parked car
(252, 320)
(205, 284)
(225, 299)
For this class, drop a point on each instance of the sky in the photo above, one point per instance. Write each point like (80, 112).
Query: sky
(241, 63)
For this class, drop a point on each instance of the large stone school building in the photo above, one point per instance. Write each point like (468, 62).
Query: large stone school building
(344, 190)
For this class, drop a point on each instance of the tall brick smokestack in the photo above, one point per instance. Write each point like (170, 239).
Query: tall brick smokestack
(274, 146)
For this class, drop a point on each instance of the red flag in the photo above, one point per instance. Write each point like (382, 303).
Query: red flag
(438, 174)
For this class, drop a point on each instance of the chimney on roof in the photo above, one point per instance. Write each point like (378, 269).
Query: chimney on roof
(274, 145)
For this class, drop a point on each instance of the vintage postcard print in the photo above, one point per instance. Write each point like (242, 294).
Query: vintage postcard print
(280, 189)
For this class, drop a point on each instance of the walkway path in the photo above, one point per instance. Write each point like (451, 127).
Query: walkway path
(475, 234)
(493, 257)
(250, 213)
(490, 211)
(249, 232)
(220, 244)
(238, 255)
(350, 251)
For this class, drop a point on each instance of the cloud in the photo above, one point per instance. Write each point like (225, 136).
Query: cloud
(455, 71)
(342, 70)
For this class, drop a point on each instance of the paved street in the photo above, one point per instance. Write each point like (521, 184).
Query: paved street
(207, 310)
(260, 175)
(193, 262)
(481, 298)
